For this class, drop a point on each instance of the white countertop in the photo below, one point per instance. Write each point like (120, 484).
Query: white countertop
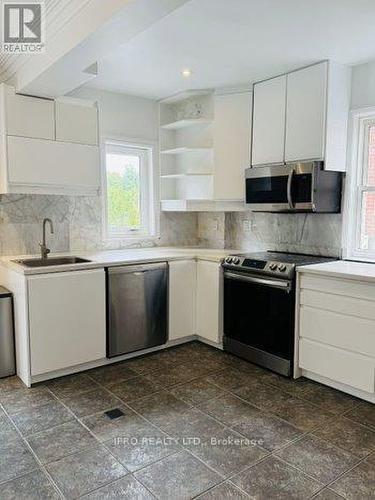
(360, 271)
(118, 257)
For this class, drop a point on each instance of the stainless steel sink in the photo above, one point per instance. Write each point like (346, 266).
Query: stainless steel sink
(51, 261)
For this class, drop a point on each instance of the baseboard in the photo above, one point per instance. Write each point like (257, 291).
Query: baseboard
(339, 386)
(218, 345)
(107, 361)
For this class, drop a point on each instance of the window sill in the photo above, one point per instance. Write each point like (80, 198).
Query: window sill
(126, 238)
(361, 259)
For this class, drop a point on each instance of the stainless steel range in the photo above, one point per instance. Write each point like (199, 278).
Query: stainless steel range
(259, 307)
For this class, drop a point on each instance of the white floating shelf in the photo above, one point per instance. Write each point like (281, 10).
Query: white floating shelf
(180, 96)
(189, 122)
(180, 176)
(183, 150)
(201, 205)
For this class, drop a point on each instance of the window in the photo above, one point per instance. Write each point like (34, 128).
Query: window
(361, 189)
(128, 200)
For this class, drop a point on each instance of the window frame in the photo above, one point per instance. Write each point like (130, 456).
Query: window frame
(361, 120)
(149, 190)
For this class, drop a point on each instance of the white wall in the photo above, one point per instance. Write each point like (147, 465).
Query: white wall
(123, 115)
(130, 117)
(363, 85)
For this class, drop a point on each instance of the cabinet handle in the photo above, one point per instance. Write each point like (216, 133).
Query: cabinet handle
(289, 189)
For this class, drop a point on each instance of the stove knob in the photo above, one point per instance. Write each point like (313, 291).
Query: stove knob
(228, 260)
(273, 267)
(282, 267)
(236, 260)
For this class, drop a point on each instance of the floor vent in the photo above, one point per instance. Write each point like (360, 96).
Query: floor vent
(113, 414)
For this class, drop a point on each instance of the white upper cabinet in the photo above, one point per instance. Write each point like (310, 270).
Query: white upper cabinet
(269, 122)
(76, 122)
(231, 136)
(306, 113)
(35, 166)
(28, 116)
(302, 116)
(48, 147)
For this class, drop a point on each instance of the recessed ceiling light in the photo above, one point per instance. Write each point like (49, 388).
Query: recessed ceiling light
(186, 73)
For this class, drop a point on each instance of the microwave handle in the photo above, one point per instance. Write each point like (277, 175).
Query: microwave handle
(289, 189)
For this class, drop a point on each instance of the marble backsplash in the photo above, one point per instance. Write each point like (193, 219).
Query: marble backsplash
(318, 234)
(78, 225)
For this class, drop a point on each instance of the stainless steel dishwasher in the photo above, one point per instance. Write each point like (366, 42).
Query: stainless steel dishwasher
(137, 307)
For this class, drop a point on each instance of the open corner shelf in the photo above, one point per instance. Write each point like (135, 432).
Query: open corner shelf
(199, 205)
(188, 122)
(185, 175)
(184, 149)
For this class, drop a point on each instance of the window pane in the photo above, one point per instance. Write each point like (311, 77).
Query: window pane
(371, 157)
(123, 191)
(367, 241)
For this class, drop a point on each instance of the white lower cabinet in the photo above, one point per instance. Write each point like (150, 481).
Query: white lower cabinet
(195, 300)
(337, 332)
(182, 285)
(209, 301)
(67, 319)
(338, 365)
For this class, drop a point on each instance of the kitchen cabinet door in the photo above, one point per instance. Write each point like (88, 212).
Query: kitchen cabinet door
(306, 113)
(53, 167)
(29, 116)
(182, 286)
(269, 122)
(76, 123)
(209, 301)
(231, 135)
(67, 322)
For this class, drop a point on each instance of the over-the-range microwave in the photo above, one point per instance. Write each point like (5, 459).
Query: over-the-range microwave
(294, 187)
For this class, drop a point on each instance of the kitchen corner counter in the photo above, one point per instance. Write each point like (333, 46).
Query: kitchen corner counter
(345, 269)
(107, 258)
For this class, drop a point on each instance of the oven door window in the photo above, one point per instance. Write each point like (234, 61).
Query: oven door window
(259, 316)
(267, 190)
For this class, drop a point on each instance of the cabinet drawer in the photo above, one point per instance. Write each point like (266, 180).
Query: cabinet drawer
(344, 367)
(349, 288)
(361, 308)
(29, 116)
(346, 332)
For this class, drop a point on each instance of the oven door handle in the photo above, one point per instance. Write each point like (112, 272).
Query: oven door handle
(283, 285)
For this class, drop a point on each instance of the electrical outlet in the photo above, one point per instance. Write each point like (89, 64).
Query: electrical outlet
(215, 225)
(247, 225)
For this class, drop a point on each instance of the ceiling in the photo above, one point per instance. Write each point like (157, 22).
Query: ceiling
(57, 13)
(229, 43)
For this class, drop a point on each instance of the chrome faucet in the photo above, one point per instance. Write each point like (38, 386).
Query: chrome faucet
(43, 247)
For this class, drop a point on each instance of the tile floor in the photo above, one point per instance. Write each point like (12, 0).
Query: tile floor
(196, 423)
